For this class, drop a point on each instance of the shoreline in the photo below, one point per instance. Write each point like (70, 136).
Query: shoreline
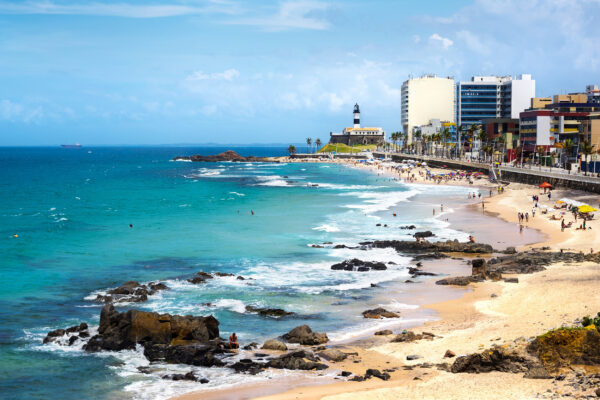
(457, 316)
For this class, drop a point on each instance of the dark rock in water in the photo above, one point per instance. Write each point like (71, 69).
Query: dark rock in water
(81, 329)
(377, 224)
(78, 328)
(228, 155)
(317, 246)
(222, 274)
(384, 333)
(202, 354)
(340, 246)
(424, 234)
(460, 280)
(449, 246)
(305, 336)
(251, 346)
(494, 359)
(409, 281)
(72, 339)
(345, 373)
(377, 374)
(408, 227)
(417, 272)
(357, 378)
(185, 377)
(373, 285)
(378, 313)
(200, 277)
(131, 291)
(144, 370)
(358, 265)
(240, 278)
(302, 360)
(269, 312)
(120, 331)
(248, 366)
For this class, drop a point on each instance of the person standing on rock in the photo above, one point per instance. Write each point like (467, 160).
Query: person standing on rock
(233, 341)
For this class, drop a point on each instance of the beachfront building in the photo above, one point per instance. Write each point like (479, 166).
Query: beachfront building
(357, 135)
(423, 135)
(424, 99)
(593, 93)
(504, 134)
(539, 103)
(486, 97)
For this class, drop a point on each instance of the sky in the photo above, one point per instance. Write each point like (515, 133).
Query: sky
(231, 71)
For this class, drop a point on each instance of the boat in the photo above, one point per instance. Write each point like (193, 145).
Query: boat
(71, 146)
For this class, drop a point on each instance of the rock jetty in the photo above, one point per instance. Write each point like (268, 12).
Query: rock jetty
(228, 155)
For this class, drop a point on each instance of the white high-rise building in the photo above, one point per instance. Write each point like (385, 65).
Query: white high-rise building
(426, 98)
(487, 97)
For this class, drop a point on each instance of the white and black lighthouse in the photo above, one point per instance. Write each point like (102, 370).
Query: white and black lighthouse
(356, 116)
(357, 135)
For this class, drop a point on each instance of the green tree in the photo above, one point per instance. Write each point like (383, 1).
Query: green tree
(540, 150)
(568, 146)
(292, 149)
(308, 143)
(445, 134)
(318, 143)
(459, 131)
(587, 149)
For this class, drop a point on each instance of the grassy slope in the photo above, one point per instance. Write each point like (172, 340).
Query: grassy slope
(342, 148)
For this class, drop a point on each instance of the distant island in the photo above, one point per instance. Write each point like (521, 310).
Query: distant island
(228, 155)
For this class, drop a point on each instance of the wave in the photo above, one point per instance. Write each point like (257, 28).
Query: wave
(237, 194)
(181, 160)
(326, 228)
(379, 201)
(237, 306)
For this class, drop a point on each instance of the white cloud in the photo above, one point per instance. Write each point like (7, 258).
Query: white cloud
(473, 42)
(227, 75)
(445, 42)
(126, 10)
(291, 15)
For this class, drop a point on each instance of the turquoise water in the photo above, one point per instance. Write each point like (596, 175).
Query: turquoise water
(71, 209)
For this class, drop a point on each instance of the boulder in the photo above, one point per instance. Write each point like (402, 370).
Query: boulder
(274, 344)
(409, 336)
(478, 267)
(494, 359)
(449, 354)
(378, 313)
(119, 331)
(302, 360)
(449, 246)
(200, 277)
(408, 227)
(567, 347)
(460, 280)
(384, 332)
(357, 265)
(73, 333)
(247, 366)
(334, 355)
(377, 374)
(269, 312)
(202, 354)
(425, 234)
(305, 336)
(185, 377)
(131, 292)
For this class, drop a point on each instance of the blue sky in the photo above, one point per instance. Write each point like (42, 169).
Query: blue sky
(228, 71)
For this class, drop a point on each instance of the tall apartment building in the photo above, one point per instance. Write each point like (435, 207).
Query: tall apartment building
(487, 97)
(426, 98)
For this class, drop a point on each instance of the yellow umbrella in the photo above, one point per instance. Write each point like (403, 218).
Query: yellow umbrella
(586, 209)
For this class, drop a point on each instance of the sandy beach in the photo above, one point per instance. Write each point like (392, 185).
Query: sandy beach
(471, 318)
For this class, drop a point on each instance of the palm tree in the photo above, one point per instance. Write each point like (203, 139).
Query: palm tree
(308, 143)
(587, 149)
(292, 149)
(568, 149)
(445, 134)
(540, 150)
(459, 131)
(318, 143)
(482, 136)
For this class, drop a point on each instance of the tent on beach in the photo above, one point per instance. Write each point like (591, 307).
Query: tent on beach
(546, 185)
(586, 209)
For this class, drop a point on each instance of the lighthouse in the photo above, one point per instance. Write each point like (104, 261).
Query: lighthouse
(356, 116)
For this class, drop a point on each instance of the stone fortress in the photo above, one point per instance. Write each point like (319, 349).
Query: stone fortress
(357, 135)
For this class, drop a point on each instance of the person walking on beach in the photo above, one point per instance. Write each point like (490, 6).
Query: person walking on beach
(526, 217)
(562, 225)
(442, 208)
(520, 228)
(434, 211)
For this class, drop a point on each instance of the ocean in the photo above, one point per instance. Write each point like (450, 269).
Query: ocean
(72, 210)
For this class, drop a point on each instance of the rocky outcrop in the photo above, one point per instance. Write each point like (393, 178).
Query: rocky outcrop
(566, 347)
(334, 355)
(305, 336)
(450, 246)
(409, 336)
(378, 313)
(190, 376)
(460, 280)
(274, 344)
(534, 261)
(424, 234)
(358, 265)
(494, 359)
(302, 360)
(131, 291)
(119, 331)
(269, 312)
(69, 335)
(199, 354)
(200, 277)
(228, 155)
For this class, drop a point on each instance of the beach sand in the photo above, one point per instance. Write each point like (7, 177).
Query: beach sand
(472, 318)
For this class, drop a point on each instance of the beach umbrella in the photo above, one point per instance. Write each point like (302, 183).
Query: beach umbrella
(586, 209)
(545, 185)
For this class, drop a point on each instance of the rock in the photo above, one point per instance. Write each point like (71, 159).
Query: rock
(357, 265)
(345, 373)
(248, 366)
(56, 334)
(449, 246)
(200, 277)
(412, 357)
(449, 354)
(537, 373)
(240, 278)
(511, 280)
(373, 285)
(144, 369)
(78, 328)
(416, 272)
(494, 359)
(274, 344)
(72, 339)
(223, 274)
(334, 355)
(202, 354)
(378, 374)
(305, 336)
(185, 377)
(460, 280)
(510, 250)
(379, 313)
(269, 312)
(251, 346)
(567, 347)
(131, 292)
(302, 360)
(424, 234)
(357, 378)
(384, 332)
(478, 267)
(120, 331)
(228, 155)
(493, 295)
(408, 227)
(597, 392)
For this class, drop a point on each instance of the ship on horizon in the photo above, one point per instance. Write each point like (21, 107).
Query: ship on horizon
(71, 146)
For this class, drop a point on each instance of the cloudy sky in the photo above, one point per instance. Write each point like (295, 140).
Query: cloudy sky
(232, 71)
